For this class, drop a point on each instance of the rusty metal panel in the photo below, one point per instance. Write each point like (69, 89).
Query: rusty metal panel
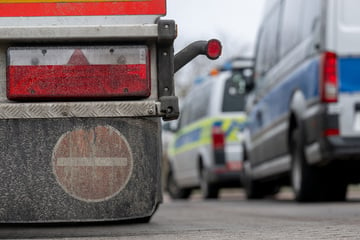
(79, 169)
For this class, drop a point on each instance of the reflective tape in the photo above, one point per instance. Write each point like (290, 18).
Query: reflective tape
(33, 8)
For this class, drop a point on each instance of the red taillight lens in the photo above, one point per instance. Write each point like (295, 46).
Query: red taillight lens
(328, 78)
(78, 73)
(218, 138)
(214, 49)
(331, 132)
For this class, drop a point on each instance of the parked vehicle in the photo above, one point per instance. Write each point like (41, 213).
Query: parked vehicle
(304, 116)
(167, 134)
(205, 151)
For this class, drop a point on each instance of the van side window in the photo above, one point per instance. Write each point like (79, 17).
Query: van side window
(291, 23)
(234, 94)
(184, 115)
(311, 16)
(196, 105)
(199, 105)
(267, 52)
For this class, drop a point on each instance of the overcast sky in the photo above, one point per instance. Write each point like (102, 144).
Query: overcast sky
(234, 22)
(205, 19)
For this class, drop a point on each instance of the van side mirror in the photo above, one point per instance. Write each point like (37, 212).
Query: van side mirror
(171, 126)
(245, 79)
(248, 75)
(250, 84)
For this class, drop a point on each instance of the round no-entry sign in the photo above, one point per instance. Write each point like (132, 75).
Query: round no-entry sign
(94, 164)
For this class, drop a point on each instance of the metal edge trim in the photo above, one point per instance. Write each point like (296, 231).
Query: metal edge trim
(78, 109)
(79, 32)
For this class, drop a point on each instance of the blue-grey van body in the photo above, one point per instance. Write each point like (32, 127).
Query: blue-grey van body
(286, 108)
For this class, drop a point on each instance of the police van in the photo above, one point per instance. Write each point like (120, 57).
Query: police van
(205, 151)
(304, 113)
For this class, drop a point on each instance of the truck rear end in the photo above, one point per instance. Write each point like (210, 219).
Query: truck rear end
(83, 85)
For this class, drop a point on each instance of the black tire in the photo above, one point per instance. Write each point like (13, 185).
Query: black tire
(208, 190)
(335, 187)
(253, 190)
(305, 179)
(337, 192)
(312, 183)
(174, 190)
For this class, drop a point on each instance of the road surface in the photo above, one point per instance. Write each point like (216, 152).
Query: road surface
(231, 217)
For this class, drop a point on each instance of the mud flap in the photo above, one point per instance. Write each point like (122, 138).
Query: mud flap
(79, 169)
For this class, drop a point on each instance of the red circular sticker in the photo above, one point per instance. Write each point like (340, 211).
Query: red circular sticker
(94, 164)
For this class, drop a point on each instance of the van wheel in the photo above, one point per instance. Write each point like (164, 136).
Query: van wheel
(208, 190)
(305, 179)
(336, 187)
(311, 183)
(174, 190)
(337, 192)
(253, 189)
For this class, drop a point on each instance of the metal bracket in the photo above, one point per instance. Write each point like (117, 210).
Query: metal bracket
(193, 50)
(169, 107)
(169, 102)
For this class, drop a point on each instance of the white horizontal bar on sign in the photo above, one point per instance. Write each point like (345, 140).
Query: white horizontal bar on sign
(91, 162)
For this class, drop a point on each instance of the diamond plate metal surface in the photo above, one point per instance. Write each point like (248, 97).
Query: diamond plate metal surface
(77, 109)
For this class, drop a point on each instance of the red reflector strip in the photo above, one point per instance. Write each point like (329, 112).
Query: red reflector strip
(83, 81)
(221, 170)
(332, 132)
(94, 8)
(73, 73)
(234, 166)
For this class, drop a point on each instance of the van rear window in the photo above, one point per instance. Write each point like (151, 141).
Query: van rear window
(350, 13)
(234, 94)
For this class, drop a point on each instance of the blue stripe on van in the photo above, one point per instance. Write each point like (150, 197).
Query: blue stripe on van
(188, 138)
(276, 103)
(349, 73)
(305, 78)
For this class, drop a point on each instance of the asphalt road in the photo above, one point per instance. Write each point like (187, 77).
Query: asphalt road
(231, 217)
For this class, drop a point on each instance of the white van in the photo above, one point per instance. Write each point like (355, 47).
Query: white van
(205, 151)
(304, 116)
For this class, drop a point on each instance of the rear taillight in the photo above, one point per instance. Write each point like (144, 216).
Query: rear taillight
(78, 72)
(331, 132)
(218, 138)
(328, 78)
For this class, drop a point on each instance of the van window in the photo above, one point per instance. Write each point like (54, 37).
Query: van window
(311, 16)
(196, 105)
(267, 52)
(234, 94)
(199, 105)
(290, 35)
(184, 115)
